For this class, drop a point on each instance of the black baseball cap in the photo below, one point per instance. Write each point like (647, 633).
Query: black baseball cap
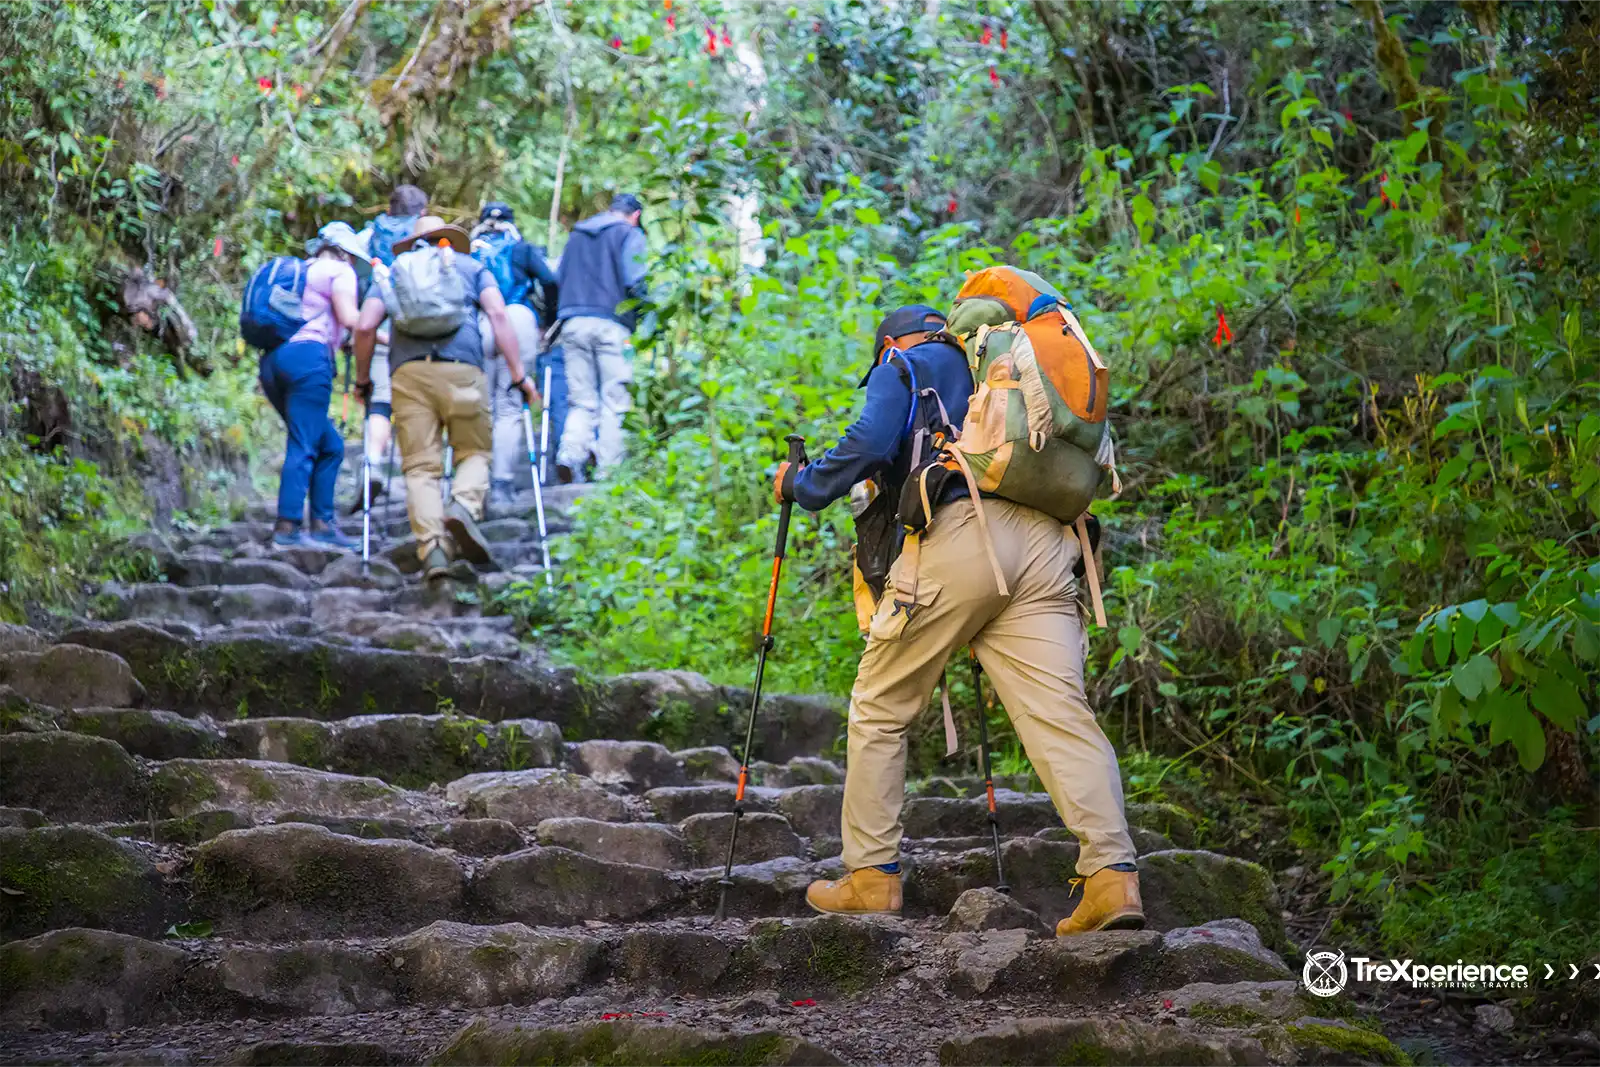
(497, 209)
(626, 203)
(912, 318)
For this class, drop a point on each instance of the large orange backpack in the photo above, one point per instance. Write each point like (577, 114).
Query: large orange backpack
(1035, 431)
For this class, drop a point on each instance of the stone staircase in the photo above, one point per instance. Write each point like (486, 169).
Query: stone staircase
(277, 809)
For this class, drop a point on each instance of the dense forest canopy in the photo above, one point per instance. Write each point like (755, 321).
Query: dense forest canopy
(1343, 259)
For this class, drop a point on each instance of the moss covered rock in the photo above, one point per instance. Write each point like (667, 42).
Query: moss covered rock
(481, 966)
(304, 978)
(1089, 967)
(677, 803)
(264, 792)
(712, 763)
(671, 960)
(188, 830)
(1188, 888)
(801, 770)
(1224, 950)
(147, 732)
(632, 765)
(14, 638)
(475, 837)
(315, 1054)
(1241, 1003)
(527, 798)
(829, 955)
(1019, 813)
(1172, 822)
(646, 844)
(812, 809)
(71, 777)
(59, 876)
(71, 676)
(762, 836)
(1333, 1041)
(81, 979)
(623, 1043)
(1097, 1042)
(986, 908)
(296, 879)
(559, 887)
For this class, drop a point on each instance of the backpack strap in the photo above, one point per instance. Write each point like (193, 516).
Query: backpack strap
(951, 743)
(1090, 571)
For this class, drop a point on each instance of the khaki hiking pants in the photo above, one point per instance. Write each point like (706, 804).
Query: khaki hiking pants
(430, 398)
(1031, 645)
(505, 404)
(599, 372)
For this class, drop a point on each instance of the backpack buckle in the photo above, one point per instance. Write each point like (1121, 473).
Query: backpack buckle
(903, 605)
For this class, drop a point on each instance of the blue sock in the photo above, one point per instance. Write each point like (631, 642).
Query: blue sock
(1131, 868)
(890, 868)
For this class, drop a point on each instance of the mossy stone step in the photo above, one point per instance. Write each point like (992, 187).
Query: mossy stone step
(61, 876)
(72, 979)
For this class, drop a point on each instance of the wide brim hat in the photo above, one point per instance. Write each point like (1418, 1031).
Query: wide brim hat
(341, 236)
(430, 229)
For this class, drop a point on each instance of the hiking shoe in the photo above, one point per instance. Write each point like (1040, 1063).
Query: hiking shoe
(435, 564)
(374, 487)
(564, 474)
(470, 542)
(1106, 900)
(502, 496)
(289, 539)
(331, 537)
(868, 891)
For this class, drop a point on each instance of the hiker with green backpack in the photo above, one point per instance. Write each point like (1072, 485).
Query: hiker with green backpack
(965, 516)
(431, 298)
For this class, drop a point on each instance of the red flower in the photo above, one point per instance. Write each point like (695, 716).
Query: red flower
(161, 88)
(216, 248)
(1223, 334)
(299, 91)
(988, 35)
(951, 206)
(727, 40)
(1383, 192)
(672, 22)
(994, 76)
(616, 43)
(1347, 116)
(236, 161)
(264, 83)
(711, 41)
(1002, 39)
(806, 1003)
(1297, 216)
(1166, 1005)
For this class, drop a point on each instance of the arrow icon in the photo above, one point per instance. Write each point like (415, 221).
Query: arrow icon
(1549, 972)
(1574, 973)
(1597, 970)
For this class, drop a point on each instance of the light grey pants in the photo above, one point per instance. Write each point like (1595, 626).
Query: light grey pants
(599, 372)
(505, 407)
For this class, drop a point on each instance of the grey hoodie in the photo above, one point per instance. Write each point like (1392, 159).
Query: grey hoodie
(601, 266)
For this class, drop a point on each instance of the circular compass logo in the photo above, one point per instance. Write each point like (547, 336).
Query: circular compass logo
(1324, 974)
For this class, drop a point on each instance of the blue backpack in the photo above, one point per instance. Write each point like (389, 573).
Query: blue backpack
(386, 230)
(494, 251)
(271, 312)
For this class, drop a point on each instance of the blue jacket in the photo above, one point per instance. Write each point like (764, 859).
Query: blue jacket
(880, 438)
(536, 281)
(601, 266)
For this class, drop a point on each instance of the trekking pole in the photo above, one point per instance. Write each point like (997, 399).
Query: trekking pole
(988, 775)
(538, 494)
(344, 406)
(544, 430)
(797, 456)
(449, 466)
(366, 495)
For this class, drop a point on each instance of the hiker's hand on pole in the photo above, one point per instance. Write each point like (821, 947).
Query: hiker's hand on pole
(530, 392)
(783, 483)
(364, 393)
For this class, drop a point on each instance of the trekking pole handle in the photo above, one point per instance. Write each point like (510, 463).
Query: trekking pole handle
(797, 448)
(796, 457)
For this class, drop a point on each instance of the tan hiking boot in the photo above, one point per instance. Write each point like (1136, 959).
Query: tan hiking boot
(470, 542)
(436, 565)
(1106, 900)
(868, 891)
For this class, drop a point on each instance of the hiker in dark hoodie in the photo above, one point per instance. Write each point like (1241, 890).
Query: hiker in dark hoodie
(602, 266)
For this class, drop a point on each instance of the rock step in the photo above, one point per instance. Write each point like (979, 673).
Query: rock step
(90, 979)
(331, 608)
(276, 675)
(894, 1026)
(303, 880)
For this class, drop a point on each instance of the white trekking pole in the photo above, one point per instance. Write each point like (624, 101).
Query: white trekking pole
(544, 426)
(538, 486)
(449, 466)
(366, 494)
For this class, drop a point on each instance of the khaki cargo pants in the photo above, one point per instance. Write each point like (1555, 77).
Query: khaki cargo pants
(1031, 645)
(430, 398)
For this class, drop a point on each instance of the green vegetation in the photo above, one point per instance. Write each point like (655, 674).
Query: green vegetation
(1352, 577)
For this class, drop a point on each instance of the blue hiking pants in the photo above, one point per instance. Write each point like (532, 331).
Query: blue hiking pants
(556, 359)
(298, 381)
